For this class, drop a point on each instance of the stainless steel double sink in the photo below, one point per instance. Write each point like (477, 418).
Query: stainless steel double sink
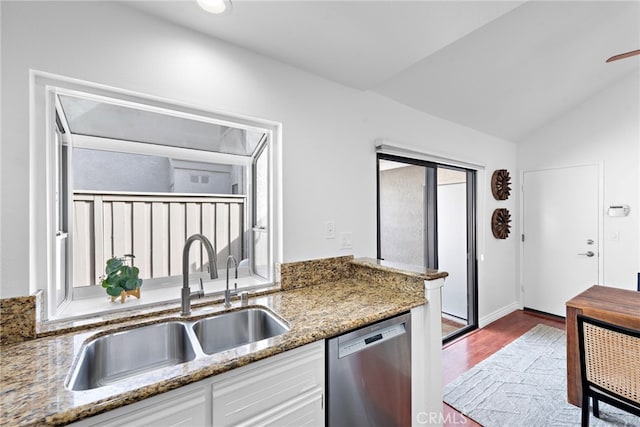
(120, 356)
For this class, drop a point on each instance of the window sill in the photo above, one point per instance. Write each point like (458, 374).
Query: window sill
(91, 309)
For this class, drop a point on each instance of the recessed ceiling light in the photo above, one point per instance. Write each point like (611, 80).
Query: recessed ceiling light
(215, 6)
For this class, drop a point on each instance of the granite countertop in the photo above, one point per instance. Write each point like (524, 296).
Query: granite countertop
(33, 372)
(403, 269)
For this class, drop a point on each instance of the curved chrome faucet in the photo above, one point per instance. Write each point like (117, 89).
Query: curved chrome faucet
(213, 270)
(227, 292)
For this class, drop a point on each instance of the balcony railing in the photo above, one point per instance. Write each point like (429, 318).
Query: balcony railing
(153, 227)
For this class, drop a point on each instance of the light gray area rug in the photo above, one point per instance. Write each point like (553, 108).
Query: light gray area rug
(525, 384)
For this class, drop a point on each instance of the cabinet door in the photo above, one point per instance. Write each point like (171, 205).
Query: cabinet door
(175, 408)
(256, 389)
(306, 410)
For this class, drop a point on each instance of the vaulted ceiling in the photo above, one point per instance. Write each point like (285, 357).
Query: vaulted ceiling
(504, 68)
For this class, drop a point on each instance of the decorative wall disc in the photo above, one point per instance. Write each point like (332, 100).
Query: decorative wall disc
(500, 223)
(500, 184)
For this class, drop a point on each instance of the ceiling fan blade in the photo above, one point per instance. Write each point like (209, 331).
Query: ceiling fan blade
(623, 55)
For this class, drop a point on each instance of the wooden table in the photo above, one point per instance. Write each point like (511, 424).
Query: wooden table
(613, 305)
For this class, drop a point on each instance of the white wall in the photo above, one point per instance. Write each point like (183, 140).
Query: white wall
(328, 130)
(2, 103)
(605, 128)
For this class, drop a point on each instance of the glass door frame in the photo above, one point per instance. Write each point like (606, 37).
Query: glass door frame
(431, 225)
(431, 245)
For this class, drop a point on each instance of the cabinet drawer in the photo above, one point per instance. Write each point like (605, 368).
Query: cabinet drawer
(254, 389)
(182, 408)
(305, 410)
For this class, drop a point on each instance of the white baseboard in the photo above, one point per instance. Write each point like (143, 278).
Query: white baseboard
(492, 317)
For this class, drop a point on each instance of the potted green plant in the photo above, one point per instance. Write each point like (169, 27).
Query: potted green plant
(120, 279)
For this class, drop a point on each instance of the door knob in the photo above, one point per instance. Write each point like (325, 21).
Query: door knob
(589, 254)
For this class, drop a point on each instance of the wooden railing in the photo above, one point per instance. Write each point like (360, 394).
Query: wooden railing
(152, 227)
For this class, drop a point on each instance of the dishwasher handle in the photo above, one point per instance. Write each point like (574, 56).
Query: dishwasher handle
(356, 345)
(376, 337)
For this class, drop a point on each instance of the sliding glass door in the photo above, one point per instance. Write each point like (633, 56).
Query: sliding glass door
(404, 224)
(426, 217)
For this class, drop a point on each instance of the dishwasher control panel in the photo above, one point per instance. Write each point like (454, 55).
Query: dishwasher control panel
(354, 345)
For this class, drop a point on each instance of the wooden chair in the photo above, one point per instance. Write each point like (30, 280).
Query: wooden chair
(609, 366)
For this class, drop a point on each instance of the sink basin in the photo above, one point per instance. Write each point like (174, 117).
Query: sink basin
(237, 328)
(122, 355)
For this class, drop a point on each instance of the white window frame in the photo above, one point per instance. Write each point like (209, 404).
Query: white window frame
(44, 88)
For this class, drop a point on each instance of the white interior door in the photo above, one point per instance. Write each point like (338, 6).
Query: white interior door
(560, 227)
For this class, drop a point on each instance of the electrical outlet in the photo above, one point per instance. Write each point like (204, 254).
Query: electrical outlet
(346, 240)
(330, 230)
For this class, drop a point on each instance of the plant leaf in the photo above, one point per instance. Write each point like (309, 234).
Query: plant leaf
(115, 291)
(125, 271)
(113, 265)
(130, 283)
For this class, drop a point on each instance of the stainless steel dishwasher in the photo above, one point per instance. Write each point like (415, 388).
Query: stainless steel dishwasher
(369, 375)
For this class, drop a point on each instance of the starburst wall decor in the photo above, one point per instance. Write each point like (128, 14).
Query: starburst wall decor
(500, 223)
(501, 184)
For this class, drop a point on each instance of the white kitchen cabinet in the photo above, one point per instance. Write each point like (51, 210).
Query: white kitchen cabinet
(186, 406)
(286, 389)
(305, 410)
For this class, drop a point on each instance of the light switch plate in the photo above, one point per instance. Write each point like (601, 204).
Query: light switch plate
(329, 230)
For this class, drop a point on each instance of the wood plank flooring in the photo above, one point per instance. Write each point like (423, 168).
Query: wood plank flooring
(462, 354)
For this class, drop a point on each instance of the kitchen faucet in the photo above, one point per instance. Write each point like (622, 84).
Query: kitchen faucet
(227, 292)
(213, 270)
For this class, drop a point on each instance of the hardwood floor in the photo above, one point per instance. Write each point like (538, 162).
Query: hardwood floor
(462, 354)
